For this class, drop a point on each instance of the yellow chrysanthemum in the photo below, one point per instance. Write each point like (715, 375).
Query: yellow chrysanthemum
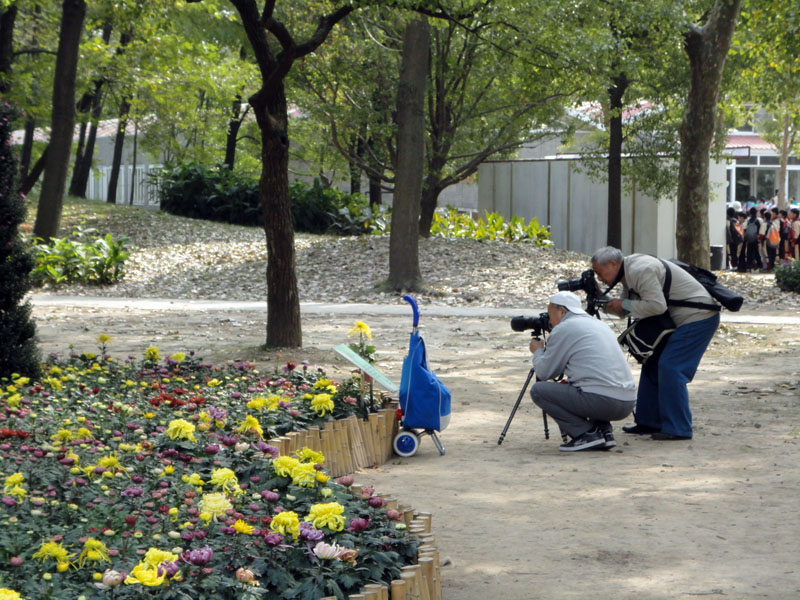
(155, 557)
(93, 551)
(84, 433)
(63, 435)
(360, 328)
(243, 527)
(322, 383)
(14, 479)
(53, 550)
(179, 357)
(152, 353)
(215, 505)
(286, 522)
(103, 339)
(180, 429)
(193, 479)
(321, 403)
(110, 461)
(7, 594)
(304, 475)
(284, 464)
(251, 424)
(306, 454)
(328, 515)
(145, 575)
(227, 480)
(18, 491)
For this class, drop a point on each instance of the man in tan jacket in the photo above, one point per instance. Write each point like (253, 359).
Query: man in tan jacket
(662, 400)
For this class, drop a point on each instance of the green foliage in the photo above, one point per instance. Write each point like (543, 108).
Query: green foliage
(450, 223)
(787, 276)
(81, 257)
(317, 209)
(216, 194)
(18, 351)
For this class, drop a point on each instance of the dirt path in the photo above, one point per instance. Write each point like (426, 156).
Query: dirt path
(716, 516)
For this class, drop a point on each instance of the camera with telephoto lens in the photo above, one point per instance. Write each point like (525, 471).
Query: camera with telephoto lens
(587, 283)
(536, 324)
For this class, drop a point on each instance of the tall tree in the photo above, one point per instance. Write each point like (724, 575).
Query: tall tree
(404, 273)
(51, 199)
(270, 109)
(707, 48)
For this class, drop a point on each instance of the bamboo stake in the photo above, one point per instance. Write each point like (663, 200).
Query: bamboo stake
(426, 518)
(399, 589)
(327, 451)
(344, 449)
(293, 437)
(426, 566)
(376, 425)
(366, 430)
(412, 589)
(357, 446)
(381, 591)
(420, 582)
(388, 433)
(390, 502)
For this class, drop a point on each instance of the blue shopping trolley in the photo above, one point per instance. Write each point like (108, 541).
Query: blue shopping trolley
(424, 400)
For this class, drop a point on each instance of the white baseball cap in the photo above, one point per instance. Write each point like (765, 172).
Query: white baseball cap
(569, 301)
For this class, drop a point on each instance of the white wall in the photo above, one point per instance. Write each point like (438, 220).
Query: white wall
(557, 193)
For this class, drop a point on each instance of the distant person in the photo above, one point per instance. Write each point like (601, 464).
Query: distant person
(752, 236)
(795, 233)
(734, 236)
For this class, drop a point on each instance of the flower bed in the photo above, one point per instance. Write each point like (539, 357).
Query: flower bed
(154, 478)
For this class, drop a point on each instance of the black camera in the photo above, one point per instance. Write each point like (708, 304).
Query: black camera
(586, 282)
(536, 324)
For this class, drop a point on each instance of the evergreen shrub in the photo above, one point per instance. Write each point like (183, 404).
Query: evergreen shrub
(787, 276)
(18, 350)
(218, 194)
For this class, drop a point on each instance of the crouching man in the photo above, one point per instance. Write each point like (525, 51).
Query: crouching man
(599, 387)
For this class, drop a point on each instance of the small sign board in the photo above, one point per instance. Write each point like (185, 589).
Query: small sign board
(347, 352)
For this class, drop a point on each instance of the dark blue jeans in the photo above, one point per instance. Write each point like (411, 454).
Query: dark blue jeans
(662, 401)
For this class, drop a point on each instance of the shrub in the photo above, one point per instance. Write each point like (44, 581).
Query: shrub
(448, 222)
(18, 351)
(216, 194)
(160, 469)
(81, 257)
(787, 276)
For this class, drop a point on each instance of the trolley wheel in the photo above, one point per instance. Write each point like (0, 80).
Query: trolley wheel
(406, 443)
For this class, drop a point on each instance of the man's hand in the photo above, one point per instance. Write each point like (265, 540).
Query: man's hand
(536, 345)
(615, 307)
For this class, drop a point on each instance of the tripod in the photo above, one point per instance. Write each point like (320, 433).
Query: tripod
(514, 411)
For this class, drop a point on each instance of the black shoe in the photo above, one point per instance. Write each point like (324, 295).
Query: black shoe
(663, 437)
(608, 437)
(590, 439)
(640, 429)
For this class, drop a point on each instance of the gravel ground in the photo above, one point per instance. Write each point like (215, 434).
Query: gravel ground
(175, 257)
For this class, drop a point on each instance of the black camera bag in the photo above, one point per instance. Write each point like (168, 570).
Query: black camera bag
(725, 296)
(645, 338)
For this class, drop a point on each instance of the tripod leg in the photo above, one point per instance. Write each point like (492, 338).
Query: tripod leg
(546, 428)
(516, 406)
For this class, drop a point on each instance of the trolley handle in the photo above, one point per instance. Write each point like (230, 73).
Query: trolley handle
(414, 308)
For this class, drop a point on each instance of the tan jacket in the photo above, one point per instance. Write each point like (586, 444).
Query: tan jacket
(644, 284)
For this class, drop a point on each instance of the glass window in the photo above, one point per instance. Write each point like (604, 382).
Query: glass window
(769, 160)
(765, 183)
(751, 160)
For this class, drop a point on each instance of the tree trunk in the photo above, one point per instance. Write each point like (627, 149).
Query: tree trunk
(234, 124)
(27, 148)
(51, 199)
(375, 193)
(404, 272)
(707, 47)
(355, 171)
(76, 166)
(119, 144)
(615, 94)
(283, 299)
(133, 163)
(430, 199)
(7, 20)
(31, 178)
(81, 177)
(785, 146)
